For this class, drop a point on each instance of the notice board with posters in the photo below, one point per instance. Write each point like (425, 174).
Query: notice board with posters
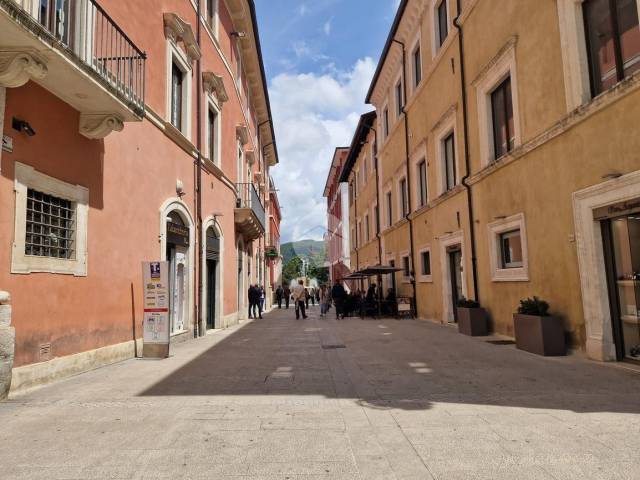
(155, 288)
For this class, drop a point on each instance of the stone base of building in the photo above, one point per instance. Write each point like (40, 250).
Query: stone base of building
(7, 346)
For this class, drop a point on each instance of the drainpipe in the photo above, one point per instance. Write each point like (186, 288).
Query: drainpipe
(196, 327)
(467, 162)
(406, 146)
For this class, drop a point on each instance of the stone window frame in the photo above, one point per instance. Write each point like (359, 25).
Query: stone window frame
(495, 230)
(422, 277)
(435, 25)
(575, 58)
(177, 56)
(215, 28)
(27, 177)
(402, 196)
(417, 44)
(501, 67)
(211, 104)
(388, 207)
(405, 254)
(447, 126)
(419, 156)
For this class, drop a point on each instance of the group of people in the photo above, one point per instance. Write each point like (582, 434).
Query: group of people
(256, 301)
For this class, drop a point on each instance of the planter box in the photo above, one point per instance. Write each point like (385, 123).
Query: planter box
(540, 335)
(473, 322)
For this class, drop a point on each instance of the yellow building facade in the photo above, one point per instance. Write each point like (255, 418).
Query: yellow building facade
(509, 162)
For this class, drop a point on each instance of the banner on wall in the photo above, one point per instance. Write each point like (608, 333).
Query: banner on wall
(155, 288)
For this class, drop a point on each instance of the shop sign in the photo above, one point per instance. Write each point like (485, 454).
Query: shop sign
(155, 289)
(617, 210)
(177, 234)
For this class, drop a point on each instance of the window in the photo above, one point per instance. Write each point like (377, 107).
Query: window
(425, 263)
(213, 135)
(212, 15)
(502, 119)
(406, 267)
(511, 249)
(613, 41)
(50, 224)
(364, 170)
(449, 161)
(355, 182)
(404, 204)
(385, 122)
(417, 67)
(353, 239)
(177, 92)
(389, 209)
(442, 23)
(359, 237)
(508, 254)
(376, 214)
(366, 228)
(236, 51)
(399, 99)
(422, 183)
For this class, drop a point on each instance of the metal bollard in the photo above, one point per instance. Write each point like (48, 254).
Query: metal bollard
(7, 344)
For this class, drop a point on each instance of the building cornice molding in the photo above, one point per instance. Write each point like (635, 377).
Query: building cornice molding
(214, 85)
(175, 29)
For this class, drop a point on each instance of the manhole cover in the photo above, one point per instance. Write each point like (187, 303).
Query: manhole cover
(332, 347)
(501, 342)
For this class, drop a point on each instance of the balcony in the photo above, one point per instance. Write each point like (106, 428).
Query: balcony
(76, 51)
(249, 212)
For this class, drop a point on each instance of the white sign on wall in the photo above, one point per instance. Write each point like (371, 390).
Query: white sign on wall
(155, 277)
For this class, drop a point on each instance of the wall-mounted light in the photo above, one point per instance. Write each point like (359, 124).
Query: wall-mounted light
(23, 126)
(239, 34)
(180, 188)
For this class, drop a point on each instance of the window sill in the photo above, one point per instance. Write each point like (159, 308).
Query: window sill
(425, 279)
(510, 275)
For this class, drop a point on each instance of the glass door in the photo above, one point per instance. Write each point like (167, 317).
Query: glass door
(622, 252)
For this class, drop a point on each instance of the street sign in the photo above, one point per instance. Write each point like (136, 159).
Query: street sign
(155, 288)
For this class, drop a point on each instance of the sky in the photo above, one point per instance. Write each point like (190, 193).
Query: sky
(320, 56)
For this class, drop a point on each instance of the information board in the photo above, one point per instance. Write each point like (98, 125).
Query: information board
(155, 277)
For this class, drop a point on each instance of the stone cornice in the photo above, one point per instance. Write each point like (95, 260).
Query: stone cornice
(18, 67)
(214, 85)
(175, 28)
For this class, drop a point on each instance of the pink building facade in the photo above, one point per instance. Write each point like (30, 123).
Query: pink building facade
(337, 235)
(132, 131)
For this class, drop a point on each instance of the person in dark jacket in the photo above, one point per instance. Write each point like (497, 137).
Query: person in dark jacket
(251, 296)
(287, 296)
(279, 295)
(338, 294)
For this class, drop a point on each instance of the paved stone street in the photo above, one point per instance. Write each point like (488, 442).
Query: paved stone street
(275, 399)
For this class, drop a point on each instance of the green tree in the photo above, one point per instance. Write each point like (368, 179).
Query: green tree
(292, 270)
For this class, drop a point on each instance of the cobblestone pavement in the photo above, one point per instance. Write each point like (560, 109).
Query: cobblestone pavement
(280, 399)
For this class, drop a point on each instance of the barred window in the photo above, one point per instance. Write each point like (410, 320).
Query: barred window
(50, 226)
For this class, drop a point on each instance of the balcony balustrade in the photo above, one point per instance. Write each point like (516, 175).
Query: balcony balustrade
(249, 212)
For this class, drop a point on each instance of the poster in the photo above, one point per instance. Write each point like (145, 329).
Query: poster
(155, 277)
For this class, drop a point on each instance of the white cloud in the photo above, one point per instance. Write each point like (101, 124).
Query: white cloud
(300, 48)
(313, 114)
(303, 10)
(326, 28)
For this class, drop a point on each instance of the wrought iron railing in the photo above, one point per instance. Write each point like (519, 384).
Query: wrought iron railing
(248, 198)
(91, 35)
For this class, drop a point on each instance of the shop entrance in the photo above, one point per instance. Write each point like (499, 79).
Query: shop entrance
(455, 273)
(212, 267)
(177, 255)
(621, 241)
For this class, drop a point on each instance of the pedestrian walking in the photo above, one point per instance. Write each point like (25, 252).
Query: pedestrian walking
(252, 298)
(312, 296)
(306, 297)
(324, 300)
(300, 296)
(338, 295)
(261, 298)
(286, 291)
(279, 295)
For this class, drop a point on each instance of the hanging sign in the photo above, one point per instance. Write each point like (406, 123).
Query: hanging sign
(155, 277)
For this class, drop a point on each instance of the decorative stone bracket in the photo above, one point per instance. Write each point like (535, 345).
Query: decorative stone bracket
(175, 28)
(98, 126)
(7, 344)
(214, 85)
(251, 156)
(242, 132)
(17, 68)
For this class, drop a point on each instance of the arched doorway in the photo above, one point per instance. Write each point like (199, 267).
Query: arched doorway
(177, 254)
(213, 284)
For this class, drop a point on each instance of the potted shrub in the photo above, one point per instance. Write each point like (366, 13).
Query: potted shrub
(472, 318)
(536, 330)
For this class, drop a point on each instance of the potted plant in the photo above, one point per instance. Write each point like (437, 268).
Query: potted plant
(536, 330)
(472, 318)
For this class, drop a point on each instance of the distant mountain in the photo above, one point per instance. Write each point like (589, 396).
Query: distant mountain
(304, 248)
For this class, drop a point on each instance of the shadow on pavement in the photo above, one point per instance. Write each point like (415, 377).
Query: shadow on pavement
(384, 364)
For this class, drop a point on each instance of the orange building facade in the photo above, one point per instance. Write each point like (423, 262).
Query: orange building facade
(132, 131)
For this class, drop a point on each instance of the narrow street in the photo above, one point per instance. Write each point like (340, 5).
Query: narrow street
(280, 399)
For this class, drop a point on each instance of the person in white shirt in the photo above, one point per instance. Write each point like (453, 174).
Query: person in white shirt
(299, 295)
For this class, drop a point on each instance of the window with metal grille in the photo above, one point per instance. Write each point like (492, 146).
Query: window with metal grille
(50, 226)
